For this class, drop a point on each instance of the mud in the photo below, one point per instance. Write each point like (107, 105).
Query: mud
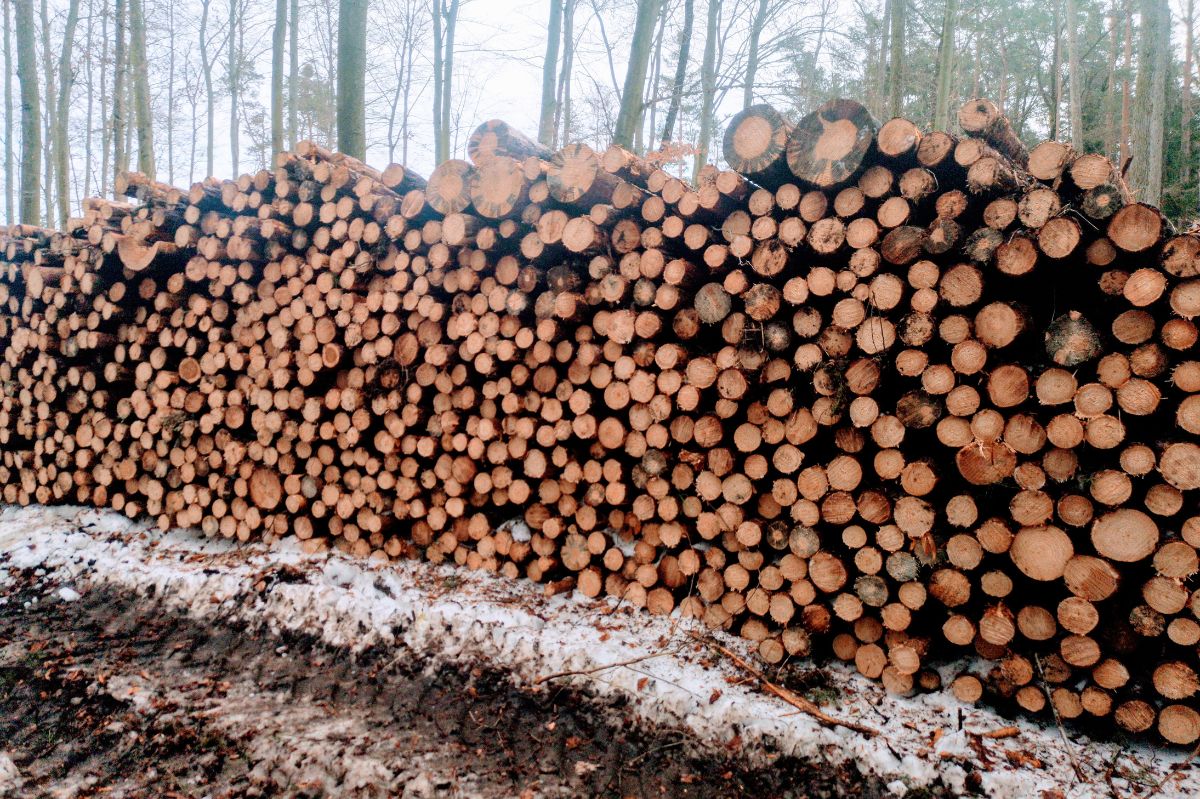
(110, 695)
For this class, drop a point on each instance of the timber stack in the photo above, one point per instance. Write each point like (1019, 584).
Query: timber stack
(891, 394)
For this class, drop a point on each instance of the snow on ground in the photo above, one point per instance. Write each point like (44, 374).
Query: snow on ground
(451, 616)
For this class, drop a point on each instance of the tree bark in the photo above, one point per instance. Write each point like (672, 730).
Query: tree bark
(141, 88)
(447, 80)
(49, 112)
(31, 132)
(896, 61)
(945, 69)
(1076, 105)
(562, 112)
(62, 151)
(209, 96)
(756, 29)
(106, 127)
(685, 41)
(708, 82)
(351, 77)
(550, 74)
(170, 95)
(87, 136)
(1185, 126)
(9, 163)
(293, 71)
(632, 98)
(1127, 73)
(1150, 92)
(278, 40)
(120, 156)
(1111, 96)
(233, 74)
(436, 10)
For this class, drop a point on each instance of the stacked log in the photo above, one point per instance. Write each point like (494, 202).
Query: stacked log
(888, 394)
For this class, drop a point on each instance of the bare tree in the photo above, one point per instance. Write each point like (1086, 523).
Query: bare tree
(62, 152)
(546, 126)
(708, 82)
(233, 74)
(141, 88)
(49, 112)
(120, 154)
(562, 110)
(1185, 127)
(685, 42)
(91, 98)
(445, 20)
(206, 66)
(756, 29)
(31, 132)
(277, 45)
(1075, 104)
(351, 77)
(9, 207)
(896, 61)
(171, 92)
(945, 68)
(630, 114)
(293, 69)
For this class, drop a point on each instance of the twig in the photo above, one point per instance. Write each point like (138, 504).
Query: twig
(1175, 771)
(1058, 721)
(605, 667)
(793, 699)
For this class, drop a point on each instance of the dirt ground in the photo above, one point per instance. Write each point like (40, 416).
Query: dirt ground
(110, 695)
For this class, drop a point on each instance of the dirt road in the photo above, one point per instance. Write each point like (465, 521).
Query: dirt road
(110, 695)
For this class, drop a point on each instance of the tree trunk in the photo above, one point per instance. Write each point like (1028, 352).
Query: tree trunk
(105, 127)
(550, 74)
(351, 77)
(1111, 101)
(1076, 102)
(293, 71)
(9, 163)
(1056, 79)
(756, 29)
(1155, 128)
(562, 112)
(1185, 127)
(234, 76)
(91, 96)
(896, 61)
(447, 81)
(277, 46)
(170, 96)
(1127, 72)
(49, 112)
(708, 82)
(945, 69)
(31, 132)
(685, 41)
(141, 88)
(120, 156)
(209, 96)
(651, 90)
(881, 78)
(62, 150)
(630, 112)
(436, 9)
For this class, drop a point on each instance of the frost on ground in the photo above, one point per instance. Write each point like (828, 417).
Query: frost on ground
(654, 672)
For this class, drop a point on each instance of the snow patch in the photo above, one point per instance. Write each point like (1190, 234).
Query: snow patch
(450, 616)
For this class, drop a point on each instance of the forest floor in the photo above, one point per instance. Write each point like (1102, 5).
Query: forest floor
(140, 665)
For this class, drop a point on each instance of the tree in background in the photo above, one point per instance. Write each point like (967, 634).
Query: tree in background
(629, 116)
(546, 129)
(31, 133)
(278, 36)
(141, 88)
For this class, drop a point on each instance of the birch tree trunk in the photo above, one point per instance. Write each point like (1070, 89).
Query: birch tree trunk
(1076, 107)
(277, 45)
(293, 71)
(120, 156)
(756, 29)
(708, 83)
(632, 98)
(896, 61)
(31, 131)
(62, 150)
(550, 74)
(945, 69)
(9, 163)
(141, 88)
(351, 77)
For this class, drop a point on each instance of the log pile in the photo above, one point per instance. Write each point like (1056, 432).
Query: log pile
(893, 394)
